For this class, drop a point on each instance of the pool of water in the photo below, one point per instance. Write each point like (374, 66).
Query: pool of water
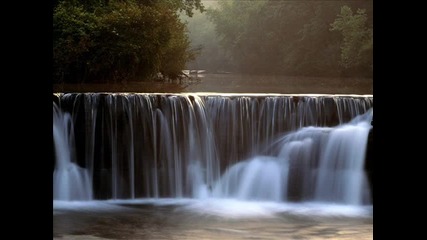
(209, 219)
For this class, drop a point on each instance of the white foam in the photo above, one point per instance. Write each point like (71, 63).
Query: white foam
(224, 208)
(231, 208)
(93, 206)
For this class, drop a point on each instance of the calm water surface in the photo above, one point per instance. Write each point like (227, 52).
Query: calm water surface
(209, 219)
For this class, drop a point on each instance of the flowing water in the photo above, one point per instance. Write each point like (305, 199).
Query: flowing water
(209, 219)
(194, 166)
(70, 182)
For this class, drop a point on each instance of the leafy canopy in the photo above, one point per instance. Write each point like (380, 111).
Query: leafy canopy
(120, 40)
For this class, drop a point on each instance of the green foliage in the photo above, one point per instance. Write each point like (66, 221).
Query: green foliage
(282, 37)
(234, 25)
(73, 28)
(176, 52)
(185, 5)
(104, 41)
(357, 44)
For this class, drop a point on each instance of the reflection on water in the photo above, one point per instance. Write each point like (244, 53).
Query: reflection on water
(209, 219)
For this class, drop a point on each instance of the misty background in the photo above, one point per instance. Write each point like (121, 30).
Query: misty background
(293, 38)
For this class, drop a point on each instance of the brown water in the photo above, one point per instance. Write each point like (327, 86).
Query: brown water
(194, 219)
(234, 83)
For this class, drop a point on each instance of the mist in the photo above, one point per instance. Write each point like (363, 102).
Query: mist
(292, 38)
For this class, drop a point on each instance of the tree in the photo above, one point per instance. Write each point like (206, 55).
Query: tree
(120, 40)
(285, 37)
(357, 42)
(234, 24)
(185, 5)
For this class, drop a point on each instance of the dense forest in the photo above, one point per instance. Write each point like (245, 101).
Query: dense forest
(120, 40)
(135, 40)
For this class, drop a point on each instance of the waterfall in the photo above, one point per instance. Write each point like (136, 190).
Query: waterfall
(250, 147)
(313, 163)
(70, 182)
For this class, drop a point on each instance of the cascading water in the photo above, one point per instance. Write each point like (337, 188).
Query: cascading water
(341, 174)
(261, 178)
(70, 182)
(314, 163)
(270, 148)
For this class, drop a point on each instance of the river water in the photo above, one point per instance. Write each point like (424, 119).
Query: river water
(209, 219)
